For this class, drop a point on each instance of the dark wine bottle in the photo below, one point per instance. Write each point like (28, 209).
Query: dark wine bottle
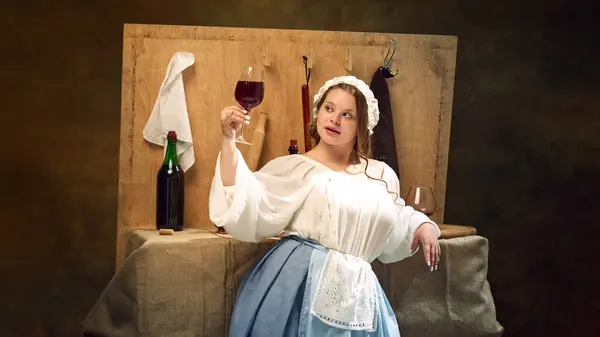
(170, 189)
(293, 149)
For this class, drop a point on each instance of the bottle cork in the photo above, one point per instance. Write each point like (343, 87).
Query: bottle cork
(165, 231)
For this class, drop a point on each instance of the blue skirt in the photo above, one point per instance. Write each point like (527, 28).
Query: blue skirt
(275, 295)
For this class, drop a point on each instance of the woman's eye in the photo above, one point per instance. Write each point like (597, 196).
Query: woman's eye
(328, 109)
(347, 115)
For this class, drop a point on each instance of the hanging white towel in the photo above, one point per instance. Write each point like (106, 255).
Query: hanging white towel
(170, 111)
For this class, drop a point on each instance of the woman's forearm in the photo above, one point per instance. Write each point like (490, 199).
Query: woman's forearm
(228, 162)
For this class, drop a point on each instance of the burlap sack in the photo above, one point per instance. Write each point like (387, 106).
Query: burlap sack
(184, 285)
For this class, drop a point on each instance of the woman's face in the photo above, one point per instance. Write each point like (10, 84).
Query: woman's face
(337, 119)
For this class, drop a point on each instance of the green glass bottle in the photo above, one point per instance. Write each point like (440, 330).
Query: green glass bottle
(170, 189)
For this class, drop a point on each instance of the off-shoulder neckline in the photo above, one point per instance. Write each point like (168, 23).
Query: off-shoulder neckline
(329, 169)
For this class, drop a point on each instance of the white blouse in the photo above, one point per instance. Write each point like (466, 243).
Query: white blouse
(355, 217)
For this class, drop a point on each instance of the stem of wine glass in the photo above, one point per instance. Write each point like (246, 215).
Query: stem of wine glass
(241, 135)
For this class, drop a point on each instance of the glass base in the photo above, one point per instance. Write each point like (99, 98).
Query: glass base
(241, 140)
(221, 230)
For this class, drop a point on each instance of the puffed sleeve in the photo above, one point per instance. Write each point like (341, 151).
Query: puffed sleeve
(262, 203)
(408, 220)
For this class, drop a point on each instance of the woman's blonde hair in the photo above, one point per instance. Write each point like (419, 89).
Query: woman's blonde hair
(363, 145)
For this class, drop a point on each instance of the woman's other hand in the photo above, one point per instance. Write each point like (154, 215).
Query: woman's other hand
(426, 236)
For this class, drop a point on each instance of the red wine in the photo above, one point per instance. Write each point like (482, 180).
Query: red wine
(426, 212)
(170, 189)
(249, 94)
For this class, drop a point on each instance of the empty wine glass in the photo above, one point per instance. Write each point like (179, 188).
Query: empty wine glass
(422, 199)
(249, 93)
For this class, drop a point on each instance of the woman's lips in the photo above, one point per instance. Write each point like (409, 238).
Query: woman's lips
(332, 131)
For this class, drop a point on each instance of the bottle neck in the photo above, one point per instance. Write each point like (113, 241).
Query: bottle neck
(171, 154)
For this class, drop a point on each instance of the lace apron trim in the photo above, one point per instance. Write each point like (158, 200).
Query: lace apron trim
(346, 295)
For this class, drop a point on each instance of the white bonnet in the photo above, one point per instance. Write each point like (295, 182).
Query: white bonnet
(372, 104)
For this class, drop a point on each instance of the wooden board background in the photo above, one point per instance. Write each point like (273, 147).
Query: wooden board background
(421, 102)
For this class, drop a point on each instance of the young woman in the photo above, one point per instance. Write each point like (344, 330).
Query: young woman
(339, 210)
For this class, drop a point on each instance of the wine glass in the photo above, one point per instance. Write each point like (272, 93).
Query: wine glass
(249, 93)
(422, 199)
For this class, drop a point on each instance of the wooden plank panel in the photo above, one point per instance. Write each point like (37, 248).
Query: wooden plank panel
(421, 102)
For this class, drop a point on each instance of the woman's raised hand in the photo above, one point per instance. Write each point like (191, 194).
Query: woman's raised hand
(232, 118)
